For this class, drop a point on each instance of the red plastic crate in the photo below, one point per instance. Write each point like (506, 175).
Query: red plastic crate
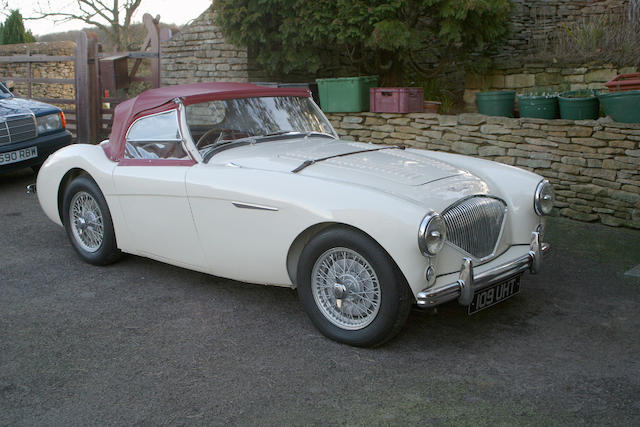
(396, 99)
(624, 82)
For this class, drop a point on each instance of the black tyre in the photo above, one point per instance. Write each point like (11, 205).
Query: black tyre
(351, 289)
(86, 218)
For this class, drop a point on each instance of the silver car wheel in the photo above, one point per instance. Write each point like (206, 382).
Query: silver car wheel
(86, 221)
(345, 288)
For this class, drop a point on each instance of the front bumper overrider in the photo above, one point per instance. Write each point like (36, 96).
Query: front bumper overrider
(468, 283)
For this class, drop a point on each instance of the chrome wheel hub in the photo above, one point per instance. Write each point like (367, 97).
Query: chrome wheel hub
(86, 221)
(340, 291)
(345, 288)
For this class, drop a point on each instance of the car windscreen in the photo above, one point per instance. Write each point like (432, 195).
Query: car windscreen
(214, 122)
(4, 92)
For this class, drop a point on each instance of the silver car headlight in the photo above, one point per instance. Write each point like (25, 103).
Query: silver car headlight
(49, 123)
(432, 234)
(543, 199)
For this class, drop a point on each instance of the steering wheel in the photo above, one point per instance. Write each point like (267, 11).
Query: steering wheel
(206, 136)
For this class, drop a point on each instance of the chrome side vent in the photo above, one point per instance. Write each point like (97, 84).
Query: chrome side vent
(475, 224)
(17, 129)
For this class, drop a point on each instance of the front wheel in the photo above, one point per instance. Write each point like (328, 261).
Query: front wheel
(351, 289)
(88, 222)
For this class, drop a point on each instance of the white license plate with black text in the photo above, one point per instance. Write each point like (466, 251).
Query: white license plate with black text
(494, 294)
(18, 155)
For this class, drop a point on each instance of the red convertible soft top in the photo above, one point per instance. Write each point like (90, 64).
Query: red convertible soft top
(160, 99)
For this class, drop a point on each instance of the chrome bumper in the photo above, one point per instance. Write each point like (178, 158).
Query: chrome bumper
(468, 283)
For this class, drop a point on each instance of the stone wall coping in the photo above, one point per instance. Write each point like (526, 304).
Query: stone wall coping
(43, 48)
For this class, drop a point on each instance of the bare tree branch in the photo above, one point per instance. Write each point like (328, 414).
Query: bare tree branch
(104, 14)
(4, 7)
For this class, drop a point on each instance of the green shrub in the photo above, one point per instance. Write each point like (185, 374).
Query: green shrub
(382, 37)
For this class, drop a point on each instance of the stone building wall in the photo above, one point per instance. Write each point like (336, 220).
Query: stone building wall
(201, 53)
(527, 77)
(56, 70)
(593, 165)
(534, 21)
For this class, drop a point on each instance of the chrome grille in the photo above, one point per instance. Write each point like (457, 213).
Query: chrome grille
(474, 224)
(17, 129)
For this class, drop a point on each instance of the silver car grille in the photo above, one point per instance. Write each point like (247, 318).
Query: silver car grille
(17, 129)
(475, 224)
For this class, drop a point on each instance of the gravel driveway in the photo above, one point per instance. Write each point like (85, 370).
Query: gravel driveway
(147, 343)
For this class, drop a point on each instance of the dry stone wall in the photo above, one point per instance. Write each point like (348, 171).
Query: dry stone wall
(54, 70)
(532, 76)
(593, 165)
(201, 53)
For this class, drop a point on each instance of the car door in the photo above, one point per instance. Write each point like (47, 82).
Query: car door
(150, 184)
(246, 222)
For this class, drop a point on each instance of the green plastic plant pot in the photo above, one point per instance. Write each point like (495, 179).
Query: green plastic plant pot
(539, 107)
(496, 103)
(623, 107)
(579, 105)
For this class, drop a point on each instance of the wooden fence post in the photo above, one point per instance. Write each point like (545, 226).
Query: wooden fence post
(29, 75)
(94, 89)
(83, 117)
(153, 35)
(87, 96)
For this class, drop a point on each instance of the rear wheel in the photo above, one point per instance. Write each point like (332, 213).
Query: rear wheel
(351, 289)
(88, 222)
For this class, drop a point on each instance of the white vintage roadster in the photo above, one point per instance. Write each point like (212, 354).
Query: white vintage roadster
(251, 183)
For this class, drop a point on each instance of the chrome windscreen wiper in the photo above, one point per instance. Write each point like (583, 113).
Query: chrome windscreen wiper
(310, 162)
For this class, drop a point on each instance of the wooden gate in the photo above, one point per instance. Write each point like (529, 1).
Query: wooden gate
(102, 79)
(28, 80)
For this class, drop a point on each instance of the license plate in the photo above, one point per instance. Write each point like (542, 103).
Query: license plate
(18, 155)
(494, 294)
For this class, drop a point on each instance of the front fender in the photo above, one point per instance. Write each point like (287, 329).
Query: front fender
(84, 157)
(295, 203)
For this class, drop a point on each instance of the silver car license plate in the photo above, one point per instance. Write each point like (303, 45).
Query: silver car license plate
(494, 294)
(18, 155)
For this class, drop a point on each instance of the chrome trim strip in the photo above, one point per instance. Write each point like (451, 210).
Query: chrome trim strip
(242, 205)
(468, 283)
(187, 139)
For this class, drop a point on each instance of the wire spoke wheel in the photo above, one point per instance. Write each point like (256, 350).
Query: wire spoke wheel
(87, 224)
(346, 288)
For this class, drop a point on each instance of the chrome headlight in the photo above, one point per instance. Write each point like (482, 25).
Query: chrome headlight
(543, 199)
(49, 123)
(432, 234)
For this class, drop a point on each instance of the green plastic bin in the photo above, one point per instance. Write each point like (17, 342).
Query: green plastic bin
(496, 103)
(623, 107)
(345, 94)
